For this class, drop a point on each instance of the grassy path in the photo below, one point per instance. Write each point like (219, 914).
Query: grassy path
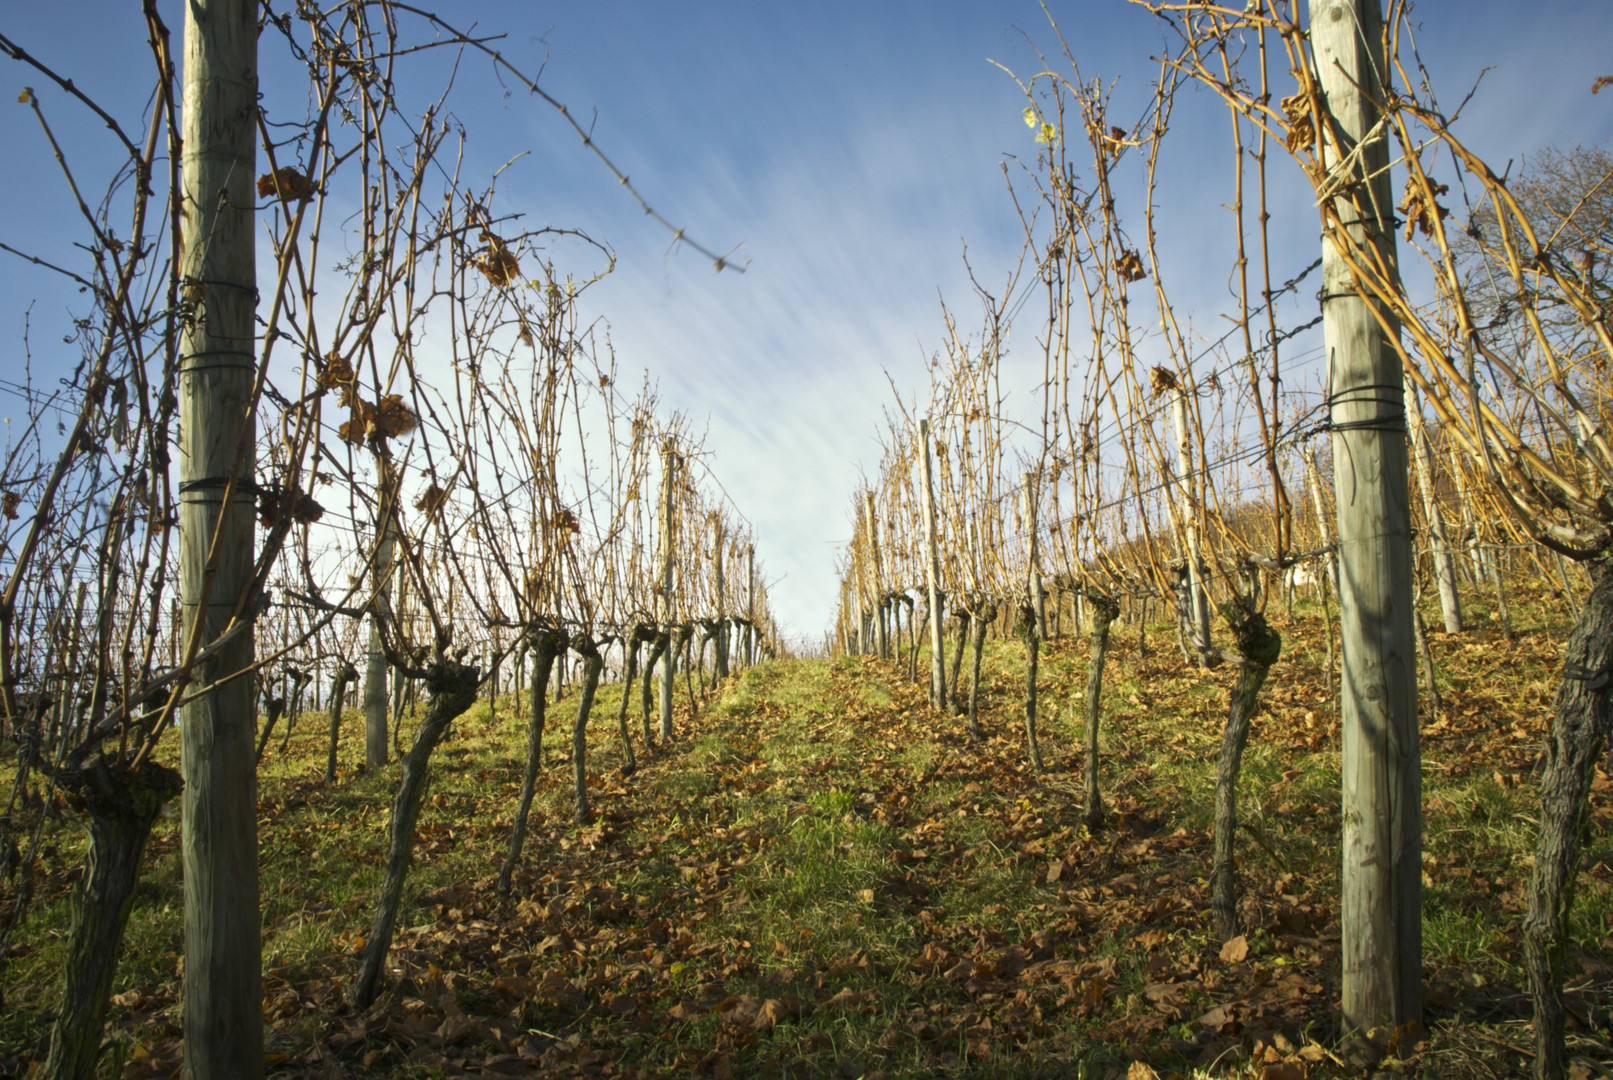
(823, 877)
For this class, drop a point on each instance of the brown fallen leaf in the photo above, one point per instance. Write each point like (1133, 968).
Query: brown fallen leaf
(1236, 950)
(1141, 1070)
(1216, 1019)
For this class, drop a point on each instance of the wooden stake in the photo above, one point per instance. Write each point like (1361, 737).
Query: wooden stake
(223, 993)
(932, 575)
(1381, 884)
(669, 464)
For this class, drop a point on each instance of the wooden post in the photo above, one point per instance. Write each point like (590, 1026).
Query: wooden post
(1029, 622)
(376, 667)
(932, 575)
(223, 994)
(1439, 548)
(750, 605)
(719, 659)
(1199, 601)
(877, 581)
(1381, 884)
(669, 464)
(1313, 480)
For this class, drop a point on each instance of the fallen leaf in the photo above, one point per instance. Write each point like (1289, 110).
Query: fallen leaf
(1236, 950)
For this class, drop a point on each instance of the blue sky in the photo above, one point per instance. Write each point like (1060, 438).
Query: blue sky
(851, 150)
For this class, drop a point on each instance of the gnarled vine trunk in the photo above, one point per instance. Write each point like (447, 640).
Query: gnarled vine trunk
(452, 690)
(1258, 648)
(338, 699)
(629, 673)
(1581, 721)
(1104, 612)
(1028, 625)
(545, 646)
(592, 664)
(978, 618)
(658, 645)
(120, 805)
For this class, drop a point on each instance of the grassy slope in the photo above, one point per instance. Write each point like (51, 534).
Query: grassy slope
(824, 877)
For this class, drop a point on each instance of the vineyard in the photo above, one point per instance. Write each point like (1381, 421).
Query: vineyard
(394, 687)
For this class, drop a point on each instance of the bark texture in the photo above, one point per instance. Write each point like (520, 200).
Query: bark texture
(120, 805)
(1581, 722)
(1258, 648)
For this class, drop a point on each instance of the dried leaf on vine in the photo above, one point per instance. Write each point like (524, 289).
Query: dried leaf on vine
(1162, 380)
(1419, 207)
(1130, 266)
(1112, 142)
(9, 502)
(1596, 87)
(393, 418)
(566, 521)
(1301, 127)
(387, 420)
(276, 504)
(525, 336)
(497, 263)
(286, 184)
(337, 372)
(432, 500)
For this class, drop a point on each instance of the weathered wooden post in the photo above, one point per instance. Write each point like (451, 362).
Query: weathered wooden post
(932, 574)
(223, 993)
(719, 660)
(1198, 599)
(1439, 548)
(376, 667)
(877, 583)
(750, 605)
(669, 464)
(1381, 886)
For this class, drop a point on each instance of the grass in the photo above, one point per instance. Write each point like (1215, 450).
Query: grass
(823, 876)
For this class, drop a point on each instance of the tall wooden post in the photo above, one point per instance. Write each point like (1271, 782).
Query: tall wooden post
(932, 574)
(876, 584)
(750, 605)
(669, 464)
(1439, 548)
(719, 661)
(223, 996)
(1324, 531)
(1381, 885)
(376, 669)
(1198, 599)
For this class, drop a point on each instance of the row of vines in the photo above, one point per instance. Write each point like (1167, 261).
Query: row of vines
(431, 485)
(1198, 469)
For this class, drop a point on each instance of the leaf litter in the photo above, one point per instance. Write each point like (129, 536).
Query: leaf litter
(824, 876)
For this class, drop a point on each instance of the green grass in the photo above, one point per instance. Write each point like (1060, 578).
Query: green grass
(911, 903)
